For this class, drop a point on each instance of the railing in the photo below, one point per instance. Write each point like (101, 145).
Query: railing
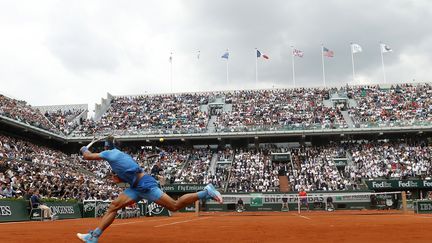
(384, 124)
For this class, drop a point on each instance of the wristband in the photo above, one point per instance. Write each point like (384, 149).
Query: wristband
(83, 149)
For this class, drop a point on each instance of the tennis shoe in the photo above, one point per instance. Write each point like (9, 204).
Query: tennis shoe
(213, 193)
(88, 238)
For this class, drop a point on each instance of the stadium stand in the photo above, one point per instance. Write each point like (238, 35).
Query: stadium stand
(56, 174)
(65, 117)
(22, 112)
(280, 109)
(238, 169)
(399, 105)
(251, 169)
(151, 114)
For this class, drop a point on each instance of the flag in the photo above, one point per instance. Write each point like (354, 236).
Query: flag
(385, 48)
(327, 52)
(355, 48)
(225, 55)
(297, 53)
(261, 55)
(170, 58)
(198, 55)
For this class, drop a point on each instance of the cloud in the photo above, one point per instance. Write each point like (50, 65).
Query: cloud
(77, 51)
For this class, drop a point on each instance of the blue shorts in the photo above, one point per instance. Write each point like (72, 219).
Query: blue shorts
(147, 188)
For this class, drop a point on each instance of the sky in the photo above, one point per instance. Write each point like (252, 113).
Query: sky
(74, 52)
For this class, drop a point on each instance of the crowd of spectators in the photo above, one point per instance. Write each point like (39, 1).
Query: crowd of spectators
(240, 111)
(391, 160)
(55, 174)
(151, 114)
(22, 112)
(399, 105)
(197, 168)
(62, 176)
(218, 176)
(314, 169)
(278, 109)
(253, 171)
(168, 163)
(64, 120)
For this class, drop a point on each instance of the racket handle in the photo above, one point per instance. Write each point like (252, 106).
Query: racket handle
(83, 149)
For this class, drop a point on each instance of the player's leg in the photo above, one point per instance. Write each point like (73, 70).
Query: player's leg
(122, 201)
(126, 198)
(173, 205)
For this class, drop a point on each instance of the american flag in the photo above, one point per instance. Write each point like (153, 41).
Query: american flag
(327, 52)
(297, 53)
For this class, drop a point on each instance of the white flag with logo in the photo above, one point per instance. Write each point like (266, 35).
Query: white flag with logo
(385, 48)
(355, 48)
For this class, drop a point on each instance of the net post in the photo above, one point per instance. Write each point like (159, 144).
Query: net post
(197, 208)
(404, 202)
(298, 204)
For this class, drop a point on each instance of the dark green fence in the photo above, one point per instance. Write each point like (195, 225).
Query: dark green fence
(14, 210)
(423, 206)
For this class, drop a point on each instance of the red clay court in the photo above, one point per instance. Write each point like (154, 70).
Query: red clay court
(343, 226)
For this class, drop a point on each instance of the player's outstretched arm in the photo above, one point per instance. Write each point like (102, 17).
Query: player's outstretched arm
(87, 155)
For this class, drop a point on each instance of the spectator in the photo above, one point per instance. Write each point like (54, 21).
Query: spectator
(36, 202)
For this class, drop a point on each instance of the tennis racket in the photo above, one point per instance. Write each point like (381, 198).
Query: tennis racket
(95, 139)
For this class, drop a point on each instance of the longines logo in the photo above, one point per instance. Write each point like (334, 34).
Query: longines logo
(5, 211)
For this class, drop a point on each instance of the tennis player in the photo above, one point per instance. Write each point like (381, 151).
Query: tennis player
(142, 186)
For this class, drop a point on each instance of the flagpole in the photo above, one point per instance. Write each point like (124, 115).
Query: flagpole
(293, 67)
(322, 60)
(352, 61)
(256, 67)
(227, 69)
(171, 73)
(197, 66)
(382, 62)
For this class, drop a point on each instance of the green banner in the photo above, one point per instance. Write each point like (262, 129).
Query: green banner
(184, 188)
(275, 201)
(97, 208)
(13, 210)
(399, 184)
(423, 206)
(340, 162)
(256, 200)
(281, 157)
(64, 210)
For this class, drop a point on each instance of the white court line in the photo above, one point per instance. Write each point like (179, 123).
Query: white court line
(304, 217)
(180, 222)
(424, 217)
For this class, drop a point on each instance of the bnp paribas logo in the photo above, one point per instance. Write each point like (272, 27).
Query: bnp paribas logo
(256, 200)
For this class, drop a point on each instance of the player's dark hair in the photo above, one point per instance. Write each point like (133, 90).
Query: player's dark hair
(110, 142)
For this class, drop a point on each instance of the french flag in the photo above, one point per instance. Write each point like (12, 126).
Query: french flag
(259, 54)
